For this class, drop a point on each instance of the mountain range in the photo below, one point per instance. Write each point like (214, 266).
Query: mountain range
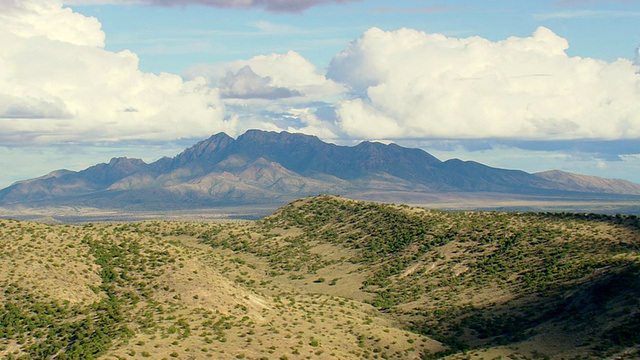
(261, 167)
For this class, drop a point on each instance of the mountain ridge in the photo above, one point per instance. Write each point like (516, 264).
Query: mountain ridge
(577, 182)
(261, 167)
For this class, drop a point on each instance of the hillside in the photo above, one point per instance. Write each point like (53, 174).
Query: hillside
(324, 277)
(583, 183)
(262, 168)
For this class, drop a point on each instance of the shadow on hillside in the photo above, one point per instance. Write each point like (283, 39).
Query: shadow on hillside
(630, 221)
(598, 316)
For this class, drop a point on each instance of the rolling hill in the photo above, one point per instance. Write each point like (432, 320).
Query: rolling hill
(322, 278)
(271, 168)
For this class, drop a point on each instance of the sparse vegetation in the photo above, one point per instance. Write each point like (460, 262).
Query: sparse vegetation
(324, 277)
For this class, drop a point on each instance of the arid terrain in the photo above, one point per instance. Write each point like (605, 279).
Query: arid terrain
(323, 278)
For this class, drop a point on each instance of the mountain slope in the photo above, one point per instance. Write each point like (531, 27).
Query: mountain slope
(473, 176)
(273, 168)
(63, 183)
(583, 183)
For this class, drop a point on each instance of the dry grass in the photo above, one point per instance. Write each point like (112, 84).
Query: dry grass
(273, 289)
(230, 303)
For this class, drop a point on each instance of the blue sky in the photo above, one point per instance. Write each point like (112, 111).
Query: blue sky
(171, 39)
(531, 85)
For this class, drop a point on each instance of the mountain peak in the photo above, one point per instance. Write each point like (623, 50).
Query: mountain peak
(263, 136)
(116, 169)
(203, 151)
(125, 162)
(213, 143)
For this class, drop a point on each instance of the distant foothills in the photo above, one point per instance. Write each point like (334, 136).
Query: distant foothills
(261, 167)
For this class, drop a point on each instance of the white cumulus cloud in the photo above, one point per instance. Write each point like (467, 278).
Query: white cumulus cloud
(245, 84)
(410, 84)
(287, 71)
(30, 18)
(58, 84)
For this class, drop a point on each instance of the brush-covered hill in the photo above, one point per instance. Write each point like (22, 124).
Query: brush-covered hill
(260, 167)
(325, 277)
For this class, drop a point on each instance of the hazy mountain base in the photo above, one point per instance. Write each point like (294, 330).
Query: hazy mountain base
(324, 277)
(592, 203)
(602, 204)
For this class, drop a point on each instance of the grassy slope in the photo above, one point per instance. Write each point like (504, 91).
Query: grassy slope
(553, 284)
(327, 278)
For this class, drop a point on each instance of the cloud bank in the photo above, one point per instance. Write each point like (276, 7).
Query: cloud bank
(270, 5)
(410, 84)
(59, 85)
(402, 84)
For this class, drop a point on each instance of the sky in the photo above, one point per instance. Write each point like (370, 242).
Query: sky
(528, 85)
